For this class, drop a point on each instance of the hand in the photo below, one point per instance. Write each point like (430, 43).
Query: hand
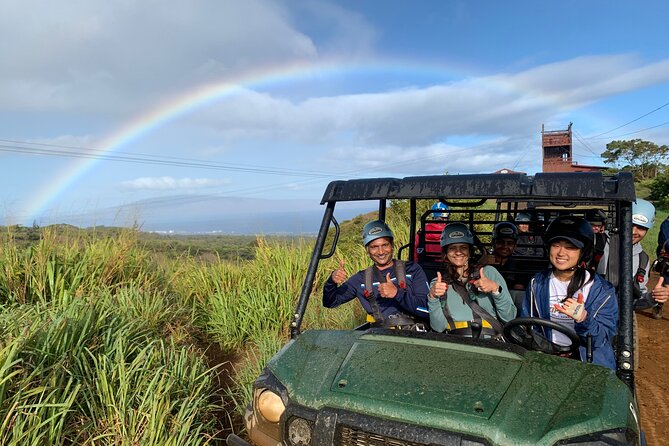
(438, 288)
(339, 275)
(485, 285)
(661, 291)
(388, 289)
(575, 309)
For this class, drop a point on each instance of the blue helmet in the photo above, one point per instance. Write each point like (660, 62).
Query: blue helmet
(375, 229)
(439, 206)
(643, 213)
(456, 233)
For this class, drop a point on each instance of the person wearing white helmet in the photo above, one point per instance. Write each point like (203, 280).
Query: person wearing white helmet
(392, 292)
(643, 217)
(467, 298)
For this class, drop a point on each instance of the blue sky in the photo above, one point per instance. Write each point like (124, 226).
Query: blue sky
(108, 108)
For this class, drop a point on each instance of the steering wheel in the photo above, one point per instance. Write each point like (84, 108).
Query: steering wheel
(519, 331)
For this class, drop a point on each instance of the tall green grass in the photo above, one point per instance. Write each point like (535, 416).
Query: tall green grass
(96, 349)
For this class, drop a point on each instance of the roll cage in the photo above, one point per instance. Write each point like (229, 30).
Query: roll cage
(544, 195)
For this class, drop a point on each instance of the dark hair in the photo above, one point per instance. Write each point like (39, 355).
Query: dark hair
(474, 264)
(578, 280)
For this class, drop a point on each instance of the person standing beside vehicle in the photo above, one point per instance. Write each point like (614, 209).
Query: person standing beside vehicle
(468, 299)
(643, 217)
(392, 291)
(569, 294)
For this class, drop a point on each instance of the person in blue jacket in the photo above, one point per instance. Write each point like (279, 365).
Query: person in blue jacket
(392, 292)
(569, 294)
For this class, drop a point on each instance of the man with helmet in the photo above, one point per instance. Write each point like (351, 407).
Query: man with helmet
(504, 237)
(569, 294)
(468, 298)
(643, 217)
(393, 293)
(528, 244)
(430, 237)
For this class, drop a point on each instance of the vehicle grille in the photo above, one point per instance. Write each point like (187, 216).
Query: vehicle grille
(354, 437)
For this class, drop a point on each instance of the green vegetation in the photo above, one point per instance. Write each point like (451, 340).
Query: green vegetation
(109, 338)
(116, 337)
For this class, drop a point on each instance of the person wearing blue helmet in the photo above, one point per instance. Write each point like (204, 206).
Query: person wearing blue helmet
(468, 298)
(392, 292)
(441, 211)
(427, 243)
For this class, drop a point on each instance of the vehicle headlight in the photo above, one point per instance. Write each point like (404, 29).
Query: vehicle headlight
(270, 406)
(618, 437)
(299, 432)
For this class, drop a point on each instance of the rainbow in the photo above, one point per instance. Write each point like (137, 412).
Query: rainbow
(205, 95)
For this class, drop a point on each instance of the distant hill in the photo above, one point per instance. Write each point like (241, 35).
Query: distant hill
(199, 214)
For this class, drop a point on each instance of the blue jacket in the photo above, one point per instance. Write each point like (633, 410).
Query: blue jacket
(411, 300)
(601, 321)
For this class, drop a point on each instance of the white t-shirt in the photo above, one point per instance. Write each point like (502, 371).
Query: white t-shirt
(558, 292)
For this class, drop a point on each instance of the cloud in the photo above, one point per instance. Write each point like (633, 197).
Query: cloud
(96, 55)
(504, 104)
(169, 183)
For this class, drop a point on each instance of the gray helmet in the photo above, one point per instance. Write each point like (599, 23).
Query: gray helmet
(456, 233)
(523, 217)
(505, 229)
(375, 229)
(643, 213)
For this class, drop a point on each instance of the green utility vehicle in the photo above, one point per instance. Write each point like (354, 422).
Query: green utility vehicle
(373, 386)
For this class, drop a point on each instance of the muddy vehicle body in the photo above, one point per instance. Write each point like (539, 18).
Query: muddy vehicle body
(378, 386)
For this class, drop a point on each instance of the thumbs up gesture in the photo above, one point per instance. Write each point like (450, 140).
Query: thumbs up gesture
(439, 287)
(388, 289)
(339, 275)
(484, 284)
(574, 308)
(661, 291)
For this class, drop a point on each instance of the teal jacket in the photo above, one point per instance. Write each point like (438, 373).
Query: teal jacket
(499, 305)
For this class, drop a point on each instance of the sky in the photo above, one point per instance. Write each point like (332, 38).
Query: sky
(118, 112)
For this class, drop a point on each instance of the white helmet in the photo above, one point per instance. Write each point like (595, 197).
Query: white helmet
(643, 213)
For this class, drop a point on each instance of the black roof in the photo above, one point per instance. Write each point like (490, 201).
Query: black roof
(574, 186)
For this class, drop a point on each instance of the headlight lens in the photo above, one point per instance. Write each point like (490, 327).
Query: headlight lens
(618, 438)
(270, 406)
(299, 432)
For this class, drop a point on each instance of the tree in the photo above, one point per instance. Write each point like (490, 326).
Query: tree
(643, 158)
(659, 190)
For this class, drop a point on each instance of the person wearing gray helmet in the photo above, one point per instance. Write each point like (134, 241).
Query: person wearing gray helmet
(392, 292)
(468, 299)
(528, 243)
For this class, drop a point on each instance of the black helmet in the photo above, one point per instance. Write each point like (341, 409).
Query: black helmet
(505, 229)
(596, 216)
(575, 230)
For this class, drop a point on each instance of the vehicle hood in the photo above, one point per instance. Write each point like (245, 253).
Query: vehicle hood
(504, 394)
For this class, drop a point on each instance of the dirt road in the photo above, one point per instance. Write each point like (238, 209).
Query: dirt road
(652, 377)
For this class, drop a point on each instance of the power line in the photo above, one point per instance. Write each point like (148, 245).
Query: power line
(70, 152)
(633, 120)
(636, 131)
